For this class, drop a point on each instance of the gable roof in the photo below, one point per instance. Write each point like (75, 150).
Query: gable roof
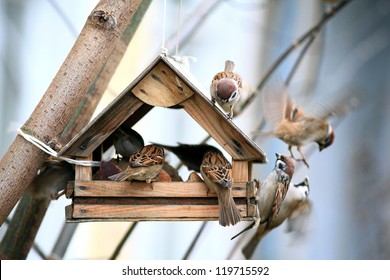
(163, 84)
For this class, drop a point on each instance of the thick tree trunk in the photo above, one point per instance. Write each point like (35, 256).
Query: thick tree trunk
(96, 42)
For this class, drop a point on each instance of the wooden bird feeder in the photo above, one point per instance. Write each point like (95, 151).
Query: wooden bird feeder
(165, 84)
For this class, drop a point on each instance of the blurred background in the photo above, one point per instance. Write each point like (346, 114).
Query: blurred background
(348, 64)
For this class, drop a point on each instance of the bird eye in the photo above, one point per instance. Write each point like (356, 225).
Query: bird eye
(233, 95)
(280, 164)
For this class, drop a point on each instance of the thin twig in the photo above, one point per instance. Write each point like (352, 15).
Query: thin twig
(300, 58)
(315, 29)
(123, 241)
(196, 238)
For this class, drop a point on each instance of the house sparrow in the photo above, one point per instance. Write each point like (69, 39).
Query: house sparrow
(217, 174)
(226, 88)
(127, 142)
(272, 192)
(144, 165)
(295, 207)
(292, 125)
(191, 155)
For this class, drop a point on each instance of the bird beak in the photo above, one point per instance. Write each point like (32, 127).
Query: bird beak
(278, 156)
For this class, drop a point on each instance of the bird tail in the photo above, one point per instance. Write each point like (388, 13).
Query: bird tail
(228, 211)
(250, 247)
(229, 66)
(121, 176)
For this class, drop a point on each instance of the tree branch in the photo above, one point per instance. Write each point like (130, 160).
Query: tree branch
(96, 42)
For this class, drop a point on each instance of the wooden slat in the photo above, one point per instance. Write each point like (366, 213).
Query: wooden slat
(224, 132)
(125, 108)
(162, 87)
(155, 189)
(107, 122)
(241, 170)
(83, 173)
(149, 211)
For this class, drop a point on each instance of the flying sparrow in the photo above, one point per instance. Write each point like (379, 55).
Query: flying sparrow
(191, 155)
(226, 88)
(144, 165)
(217, 174)
(295, 209)
(292, 125)
(272, 192)
(127, 142)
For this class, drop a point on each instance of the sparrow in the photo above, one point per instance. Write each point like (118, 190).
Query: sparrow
(127, 142)
(217, 174)
(293, 126)
(191, 155)
(226, 88)
(51, 179)
(295, 209)
(144, 165)
(272, 192)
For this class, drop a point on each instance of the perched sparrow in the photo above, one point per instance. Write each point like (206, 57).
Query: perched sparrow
(292, 125)
(295, 208)
(52, 179)
(272, 192)
(226, 88)
(144, 165)
(127, 142)
(217, 174)
(190, 155)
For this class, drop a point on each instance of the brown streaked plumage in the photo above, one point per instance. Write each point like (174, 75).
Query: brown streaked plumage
(272, 192)
(144, 165)
(292, 125)
(226, 88)
(217, 174)
(295, 208)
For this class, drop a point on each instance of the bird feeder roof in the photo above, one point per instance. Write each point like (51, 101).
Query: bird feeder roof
(164, 83)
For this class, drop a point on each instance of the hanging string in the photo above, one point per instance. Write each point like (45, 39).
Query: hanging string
(178, 29)
(38, 143)
(164, 50)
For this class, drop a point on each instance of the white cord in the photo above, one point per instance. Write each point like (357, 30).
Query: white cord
(164, 50)
(178, 28)
(38, 143)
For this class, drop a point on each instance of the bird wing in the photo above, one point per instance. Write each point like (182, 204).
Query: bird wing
(219, 175)
(280, 194)
(147, 156)
(218, 169)
(277, 103)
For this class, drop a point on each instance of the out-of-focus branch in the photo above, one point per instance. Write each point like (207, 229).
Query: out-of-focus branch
(307, 35)
(96, 42)
(123, 241)
(194, 241)
(95, 92)
(31, 209)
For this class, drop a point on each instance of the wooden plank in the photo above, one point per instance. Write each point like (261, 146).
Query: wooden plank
(241, 170)
(162, 87)
(107, 121)
(155, 189)
(126, 106)
(251, 198)
(83, 173)
(223, 131)
(149, 211)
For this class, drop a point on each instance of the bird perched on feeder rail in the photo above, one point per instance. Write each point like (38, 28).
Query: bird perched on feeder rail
(226, 88)
(144, 165)
(191, 155)
(217, 174)
(272, 192)
(295, 208)
(292, 125)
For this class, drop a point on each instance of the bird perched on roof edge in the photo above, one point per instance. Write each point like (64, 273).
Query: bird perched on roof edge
(225, 88)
